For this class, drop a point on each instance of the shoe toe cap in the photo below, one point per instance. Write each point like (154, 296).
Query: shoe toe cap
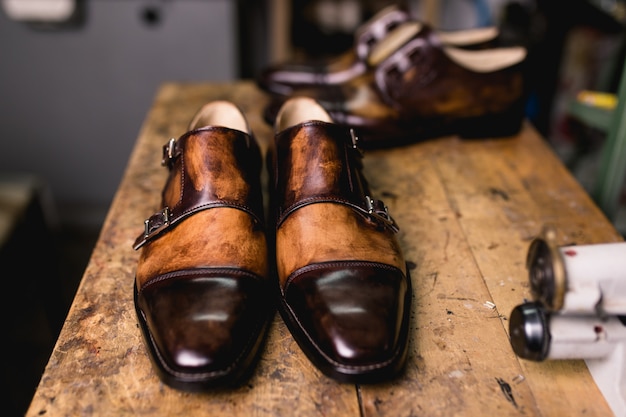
(351, 314)
(203, 328)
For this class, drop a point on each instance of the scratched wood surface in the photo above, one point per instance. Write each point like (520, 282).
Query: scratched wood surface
(467, 212)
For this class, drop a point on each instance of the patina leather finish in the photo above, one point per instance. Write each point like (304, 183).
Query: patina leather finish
(344, 287)
(201, 290)
(424, 90)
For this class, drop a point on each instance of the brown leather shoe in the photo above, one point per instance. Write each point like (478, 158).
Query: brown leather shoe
(345, 290)
(201, 290)
(422, 90)
(284, 78)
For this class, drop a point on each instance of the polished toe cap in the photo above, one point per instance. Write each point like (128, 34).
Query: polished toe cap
(203, 326)
(351, 317)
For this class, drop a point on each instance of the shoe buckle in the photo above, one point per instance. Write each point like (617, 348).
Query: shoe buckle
(379, 211)
(156, 222)
(153, 225)
(355, 142)
(390, 73)
(168, 152)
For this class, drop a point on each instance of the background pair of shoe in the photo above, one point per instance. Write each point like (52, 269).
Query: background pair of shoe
(404, 82)
(205, 286)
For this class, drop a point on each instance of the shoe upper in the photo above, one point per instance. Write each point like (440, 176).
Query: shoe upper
(209, 168)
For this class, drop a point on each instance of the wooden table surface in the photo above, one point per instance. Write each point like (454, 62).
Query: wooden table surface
(467, 211)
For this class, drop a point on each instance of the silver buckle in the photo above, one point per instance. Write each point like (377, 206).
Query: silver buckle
(355, 142)
(379, 211)
(156, 223)
(168, 152)
(354, 138)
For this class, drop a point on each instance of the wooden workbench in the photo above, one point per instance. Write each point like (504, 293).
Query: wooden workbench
(467, 212)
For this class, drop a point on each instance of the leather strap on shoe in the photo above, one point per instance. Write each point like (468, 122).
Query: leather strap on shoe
(192, 200)
(417, 56)
(375, 30)
(343, 184)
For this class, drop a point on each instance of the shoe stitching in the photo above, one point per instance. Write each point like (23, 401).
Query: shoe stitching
(238, 272)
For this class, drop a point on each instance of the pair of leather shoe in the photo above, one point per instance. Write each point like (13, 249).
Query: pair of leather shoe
(204, 293)
(417, 87)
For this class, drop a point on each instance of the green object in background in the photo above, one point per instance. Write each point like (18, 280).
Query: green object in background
(610, 180)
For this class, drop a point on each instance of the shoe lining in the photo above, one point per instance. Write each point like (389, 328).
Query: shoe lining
(487, 60)
(468, 36)
(406, 31)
